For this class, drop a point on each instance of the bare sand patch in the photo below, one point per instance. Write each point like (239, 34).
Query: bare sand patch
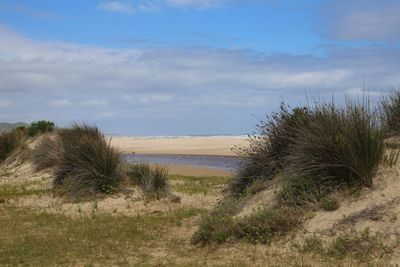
(221, 146)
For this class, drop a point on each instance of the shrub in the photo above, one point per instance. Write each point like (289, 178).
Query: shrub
(217, 228)
(268, 149)
(266, 223)
(390, 112)
(88, 164)
(363, 246)
(217, 225)
(300, 191)
(47, 152)
(330, 204)
(10, 141)
(152, 181)
(38, 127)
(338, 146)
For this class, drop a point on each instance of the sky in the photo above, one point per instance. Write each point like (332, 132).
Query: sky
(190, 67)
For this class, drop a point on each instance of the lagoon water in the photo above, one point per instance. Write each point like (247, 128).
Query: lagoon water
(217, 162)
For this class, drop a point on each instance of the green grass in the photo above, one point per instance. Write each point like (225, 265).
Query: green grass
(29, 238)
(16, 191)
(197, 185)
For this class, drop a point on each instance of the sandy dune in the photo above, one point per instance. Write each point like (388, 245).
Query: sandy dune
(180, 145)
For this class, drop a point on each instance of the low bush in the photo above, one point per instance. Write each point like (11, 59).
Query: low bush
(217, 225)
(299, 191)
(330, 204)
(47, 153)
(363, 246)
(259, 227)
(267, 223)
(9, 142)
(265, 156)
(38, 127)
(88, 164)
(153, 181)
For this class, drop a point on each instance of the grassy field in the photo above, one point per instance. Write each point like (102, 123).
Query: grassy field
(36, 235)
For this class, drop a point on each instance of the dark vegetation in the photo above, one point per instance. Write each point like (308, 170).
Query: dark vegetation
(10, 141)
(319, 149)
(87, 163)
(39, 127)
(313, 152)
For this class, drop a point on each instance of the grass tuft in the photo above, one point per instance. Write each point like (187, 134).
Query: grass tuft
(88, 164)
(153, 181)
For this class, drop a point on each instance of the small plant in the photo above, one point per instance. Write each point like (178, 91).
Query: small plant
(217, 225)
(363, 246)
(9, 142)
(153, 181)
(217, 228)
(39, 127)
(313, 244)
(330, 204)
(266, 223)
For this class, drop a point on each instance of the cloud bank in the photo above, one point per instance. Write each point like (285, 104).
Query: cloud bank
(174, 86)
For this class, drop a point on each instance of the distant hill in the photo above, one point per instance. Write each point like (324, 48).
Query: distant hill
(5, 126)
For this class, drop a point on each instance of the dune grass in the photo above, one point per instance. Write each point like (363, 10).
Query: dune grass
(88, 164)
(153, 181)
(9, 142)
(47, 152)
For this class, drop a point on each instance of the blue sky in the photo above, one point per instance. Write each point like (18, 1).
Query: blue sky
(167, 67)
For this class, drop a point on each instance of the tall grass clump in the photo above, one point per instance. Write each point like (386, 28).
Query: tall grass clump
(265, 156)
(390, 112)
(47, 152)
(88, 164)
(9, 142)
(339, 145)
(153, 181)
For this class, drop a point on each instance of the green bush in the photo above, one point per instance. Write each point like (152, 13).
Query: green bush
(153, 181)
(47, 152)
(265, 156)
(330, 204)
(39, 127)
(88, 164)
(10, 141)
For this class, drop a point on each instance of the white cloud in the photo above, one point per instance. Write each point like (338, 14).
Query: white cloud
(178, 83)
(4, 103)
(116, 7)
(60, 103)
(97, 103)
(362, 20)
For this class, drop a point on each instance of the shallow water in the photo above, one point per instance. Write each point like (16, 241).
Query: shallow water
(217, 162)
